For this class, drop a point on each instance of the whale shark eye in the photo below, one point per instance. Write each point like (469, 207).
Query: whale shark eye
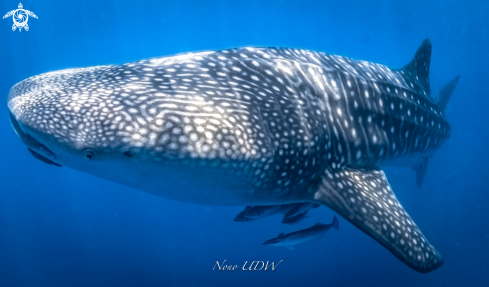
(89, 154)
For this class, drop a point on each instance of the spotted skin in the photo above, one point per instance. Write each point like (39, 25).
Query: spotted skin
(365, 198)
(247, 126)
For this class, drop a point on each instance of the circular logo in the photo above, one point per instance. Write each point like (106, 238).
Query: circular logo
(20, 17)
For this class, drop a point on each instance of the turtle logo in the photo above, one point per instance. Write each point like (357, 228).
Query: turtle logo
(20, 17)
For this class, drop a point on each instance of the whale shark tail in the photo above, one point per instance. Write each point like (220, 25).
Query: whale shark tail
(418, 72)
(443, 97)
(365, 199)
(446, 93)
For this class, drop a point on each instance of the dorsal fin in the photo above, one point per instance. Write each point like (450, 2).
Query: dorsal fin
(280, 235)
(419, 67)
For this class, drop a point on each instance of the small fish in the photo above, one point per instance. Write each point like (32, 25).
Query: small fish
(289, 240)
(296, 218)
(286, 208)
(298, 209)
(257, 212)
(43, 159)
(241, 216)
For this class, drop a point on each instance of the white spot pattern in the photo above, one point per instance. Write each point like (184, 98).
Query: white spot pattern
(368, 202)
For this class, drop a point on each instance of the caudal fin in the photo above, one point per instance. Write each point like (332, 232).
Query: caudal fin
(446, 92)
(336, 223)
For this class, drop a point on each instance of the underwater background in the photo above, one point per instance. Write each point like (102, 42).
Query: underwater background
(61, 227)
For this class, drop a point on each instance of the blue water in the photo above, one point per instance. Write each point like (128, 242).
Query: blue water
(60, 227)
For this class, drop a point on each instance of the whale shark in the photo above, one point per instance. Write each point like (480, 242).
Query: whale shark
(245, 127)
(288, 241)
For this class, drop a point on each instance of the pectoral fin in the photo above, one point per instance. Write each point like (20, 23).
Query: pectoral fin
(364, 198)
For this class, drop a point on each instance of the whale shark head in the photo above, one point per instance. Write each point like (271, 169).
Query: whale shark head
(111, 122)
(65, 118)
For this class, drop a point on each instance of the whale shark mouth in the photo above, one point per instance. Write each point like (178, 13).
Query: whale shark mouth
(37, 149)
